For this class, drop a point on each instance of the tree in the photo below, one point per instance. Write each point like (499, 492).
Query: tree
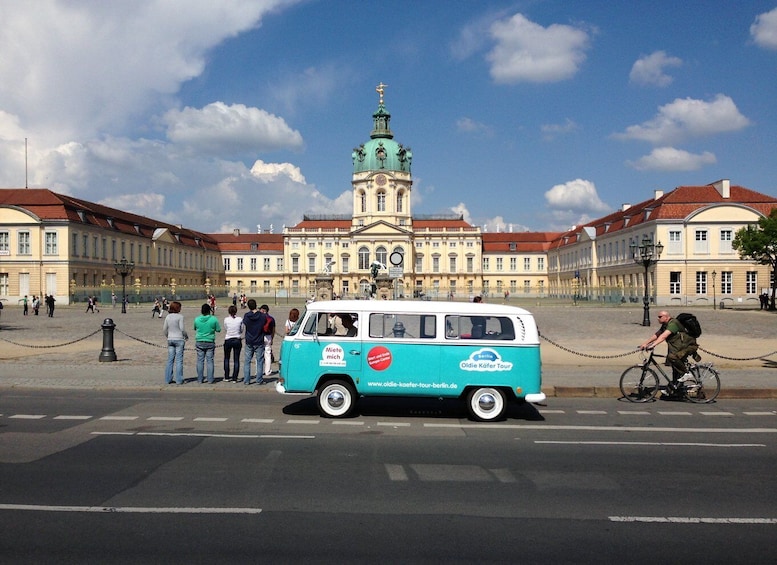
(759, 243)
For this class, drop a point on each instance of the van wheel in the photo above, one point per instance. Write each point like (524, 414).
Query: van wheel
(336, 399)
(486, 404)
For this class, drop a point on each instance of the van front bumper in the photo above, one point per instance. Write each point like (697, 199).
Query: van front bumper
(538, 397)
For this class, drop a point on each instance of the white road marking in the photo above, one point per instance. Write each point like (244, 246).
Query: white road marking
(308, 422)
(545, 411)
(692, 520)
(655, 443)
(347, 423)
(119, 418)
(503, 475)
(27, 416)
(395, 424)
(716, 413)
(668, 413)
(65, 417)
(396, 472)
(760, 413)
(190, 434)
(634, 412)
(130, 509)
(607, 428)
(164, 418)
(257, 420)
(203, 419)
(592, 412)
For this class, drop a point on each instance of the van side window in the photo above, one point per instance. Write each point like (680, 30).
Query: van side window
(403, 326)
(479, 327)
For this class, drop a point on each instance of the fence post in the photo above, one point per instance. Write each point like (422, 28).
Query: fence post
(108, 353)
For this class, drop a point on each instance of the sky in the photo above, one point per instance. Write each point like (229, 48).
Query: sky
(521, 115)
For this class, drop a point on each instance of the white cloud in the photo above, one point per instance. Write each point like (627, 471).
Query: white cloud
(489, 225)
(219, 129)
(578, 196)
(468, 125)
(671, 159)
(764, 30)
(649, 70)
(687, 118)
(551, 131)
(527, 52)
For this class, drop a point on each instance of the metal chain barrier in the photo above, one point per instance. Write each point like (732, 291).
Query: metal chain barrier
(736, 358)
(143, 341)
(587, 354)
(51, 346)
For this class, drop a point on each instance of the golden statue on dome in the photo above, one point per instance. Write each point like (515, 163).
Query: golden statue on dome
(379, 89)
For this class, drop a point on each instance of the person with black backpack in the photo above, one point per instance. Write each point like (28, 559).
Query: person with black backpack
(680, 343)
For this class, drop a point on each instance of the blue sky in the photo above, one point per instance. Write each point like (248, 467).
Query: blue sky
(521, 115)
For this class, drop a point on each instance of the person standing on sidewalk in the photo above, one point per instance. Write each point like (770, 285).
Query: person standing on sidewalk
(233, 343)
(175, 331)
(206, 326)
(254, 324)
(269, 333)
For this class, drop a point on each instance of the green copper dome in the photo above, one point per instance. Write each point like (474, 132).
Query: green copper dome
(381, 152)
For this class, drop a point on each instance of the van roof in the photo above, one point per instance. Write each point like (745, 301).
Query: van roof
(416, 307)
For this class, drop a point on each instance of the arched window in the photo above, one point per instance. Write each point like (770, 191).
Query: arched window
(362, 202)
(400, 201)
(381, 201)
(364, 258)
(381, 256)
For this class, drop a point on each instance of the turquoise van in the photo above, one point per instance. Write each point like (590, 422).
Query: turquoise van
(485, 354)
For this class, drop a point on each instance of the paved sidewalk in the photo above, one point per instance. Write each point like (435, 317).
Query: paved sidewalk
(584, 348)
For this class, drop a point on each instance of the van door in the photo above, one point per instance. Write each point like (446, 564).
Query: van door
(401, 355)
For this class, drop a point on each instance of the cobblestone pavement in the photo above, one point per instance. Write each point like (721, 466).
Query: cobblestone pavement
(584, 348)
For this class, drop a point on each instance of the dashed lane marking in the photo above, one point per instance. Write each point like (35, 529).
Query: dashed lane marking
(591, 412)
(74, 417)
(164, 418)
(634, 412)
(716, 413)
(119, 418)
(668, 413)
(27, 416)
(692, 520)
(203, 419)
(760, 413)
(652, 443)
(130, 509)
(257, 420)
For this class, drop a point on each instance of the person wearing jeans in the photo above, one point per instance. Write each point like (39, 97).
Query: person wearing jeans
(233, 343)
(253, 322)
(206, 326)
(173, 328)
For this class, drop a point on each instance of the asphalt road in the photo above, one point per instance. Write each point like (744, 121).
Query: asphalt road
(145, 476)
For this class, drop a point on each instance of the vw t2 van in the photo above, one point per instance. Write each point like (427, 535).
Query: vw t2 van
(484, 354)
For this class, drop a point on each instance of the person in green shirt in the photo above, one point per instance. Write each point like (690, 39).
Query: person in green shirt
(206, 326)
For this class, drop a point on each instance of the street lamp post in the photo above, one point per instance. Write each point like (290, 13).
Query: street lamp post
(714, 299)
(124, 268)
(646, 254)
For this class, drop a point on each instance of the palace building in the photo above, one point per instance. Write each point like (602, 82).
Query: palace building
(56, 244)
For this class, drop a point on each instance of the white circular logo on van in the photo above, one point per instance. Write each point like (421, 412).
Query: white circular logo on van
(332, 356)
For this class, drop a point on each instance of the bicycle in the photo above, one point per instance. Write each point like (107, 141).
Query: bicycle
(640, 383)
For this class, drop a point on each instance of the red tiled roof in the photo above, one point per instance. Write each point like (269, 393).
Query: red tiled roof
(244, 241)
(50, 206)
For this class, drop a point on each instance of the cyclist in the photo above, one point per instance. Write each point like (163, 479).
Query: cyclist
(680, 345)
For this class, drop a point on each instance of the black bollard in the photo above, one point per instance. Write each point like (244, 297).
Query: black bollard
(108, 353)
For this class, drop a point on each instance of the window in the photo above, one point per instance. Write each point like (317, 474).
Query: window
(526, 286)
(400, 326)
(364, 258)
(4, 284)
(24, 243)
(419, 263)
(74, 246)
(240, 264)
(311, 244)
(5, 246)
(485, 264)
(470, 264)
(675, 282)
(527, 263)
(400, 202)
(362, 201)
(227, 263)
(513, 263)
(479, 327)
(452, 264)
(265, 263)
(85, 247)
(540, 264)
(725, 282)
(435, 264)
(499, 265)
(345, 266)
(726, 237)
(253, 263)
(312, 264)
(96, 248)
(295, 264)
(381, 201)
(279, 264)
(751, 282)
(266, 287)
(50, 245)
(701, 282)
(381, 255)
(675, 242)
(702, 245)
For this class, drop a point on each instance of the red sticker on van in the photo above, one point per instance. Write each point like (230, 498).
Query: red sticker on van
(379, 358)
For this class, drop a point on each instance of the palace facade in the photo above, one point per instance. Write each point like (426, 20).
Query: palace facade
(56, 244)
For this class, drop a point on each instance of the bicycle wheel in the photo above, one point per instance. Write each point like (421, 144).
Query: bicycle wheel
(707, 385)
(639, 384)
